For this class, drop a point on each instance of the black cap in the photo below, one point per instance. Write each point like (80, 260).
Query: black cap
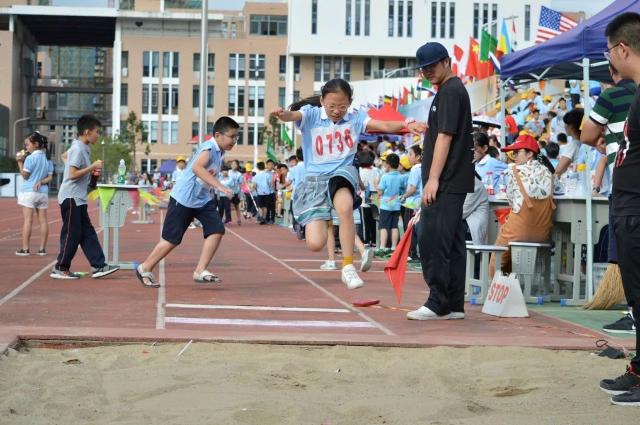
(430, 53)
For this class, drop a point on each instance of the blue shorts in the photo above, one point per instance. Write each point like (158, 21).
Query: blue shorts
(180, 217)
(313, 198)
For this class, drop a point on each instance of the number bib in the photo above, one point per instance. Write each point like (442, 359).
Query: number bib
(332, 144)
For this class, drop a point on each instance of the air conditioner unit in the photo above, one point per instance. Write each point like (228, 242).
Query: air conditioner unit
(125, 72)
(297, 77)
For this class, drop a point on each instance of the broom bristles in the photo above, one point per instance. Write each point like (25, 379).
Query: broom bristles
(610, 291)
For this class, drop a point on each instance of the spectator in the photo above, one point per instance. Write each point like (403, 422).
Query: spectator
(571, 151)
(552, 150)
(392, 186)
(485, 163)
(369, 176)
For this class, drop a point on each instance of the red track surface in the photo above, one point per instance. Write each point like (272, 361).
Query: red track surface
(260, 266)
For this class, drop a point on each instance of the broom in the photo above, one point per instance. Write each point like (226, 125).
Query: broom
(610, 291)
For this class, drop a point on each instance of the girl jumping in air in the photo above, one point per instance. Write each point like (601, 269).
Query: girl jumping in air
(330, 134)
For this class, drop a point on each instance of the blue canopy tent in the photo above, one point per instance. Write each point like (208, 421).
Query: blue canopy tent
(566, 55)
(576, 54)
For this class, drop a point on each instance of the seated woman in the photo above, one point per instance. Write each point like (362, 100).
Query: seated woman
(483, 161)
(530, 196)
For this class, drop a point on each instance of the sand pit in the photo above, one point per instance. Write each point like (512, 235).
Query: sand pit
(261, 384)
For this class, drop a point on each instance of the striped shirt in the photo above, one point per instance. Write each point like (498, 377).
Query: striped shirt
(610, 111)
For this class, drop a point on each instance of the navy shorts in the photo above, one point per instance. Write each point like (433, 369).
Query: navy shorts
(235, 200)
(180, 217)
(263, 201)
(388, 219)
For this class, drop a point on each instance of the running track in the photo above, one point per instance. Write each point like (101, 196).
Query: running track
(272, 291)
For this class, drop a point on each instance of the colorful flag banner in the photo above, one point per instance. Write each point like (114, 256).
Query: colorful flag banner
(552, 23)
(285, 136)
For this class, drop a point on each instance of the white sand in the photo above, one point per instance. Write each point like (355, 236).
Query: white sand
(260, 384)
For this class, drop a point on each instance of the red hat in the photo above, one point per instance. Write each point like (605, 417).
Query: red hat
(523, 142)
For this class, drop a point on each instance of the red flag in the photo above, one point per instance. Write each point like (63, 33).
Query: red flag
(458, 52)
(405, 96)
(454, 69)
(473, 62)
(394, 103)
(396, 267)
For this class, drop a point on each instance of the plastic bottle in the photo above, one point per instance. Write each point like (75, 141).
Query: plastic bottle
(582, 182)
(502, 185)
(488, 183)
(570, 183)
(122, 170)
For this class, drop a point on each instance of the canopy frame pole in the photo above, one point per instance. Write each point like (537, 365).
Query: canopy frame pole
(503, 109)
(588, 206)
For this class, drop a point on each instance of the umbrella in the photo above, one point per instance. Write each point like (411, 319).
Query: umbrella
(195, 139)
(486, 121)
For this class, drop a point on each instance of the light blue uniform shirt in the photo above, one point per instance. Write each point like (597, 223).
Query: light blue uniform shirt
(226, 182)
(236, 181)
(190, 191)
(263, 181)
(488, 163)
(326, 146)
(393, 184)
(415, 179)
(296, 175)
(38, 167)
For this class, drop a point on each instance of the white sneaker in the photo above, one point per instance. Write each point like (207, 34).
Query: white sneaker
(424, 313)
(367, 260)
(350, 277)
(328, 265)
(456, 315)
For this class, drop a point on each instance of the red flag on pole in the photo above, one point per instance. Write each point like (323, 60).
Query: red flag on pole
(396, 267)
(473, 62)
(458, 52)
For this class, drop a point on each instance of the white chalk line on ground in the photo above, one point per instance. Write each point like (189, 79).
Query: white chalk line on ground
(273, 323)
(314, 284)
(314, 260)
(17, 231)
(258, 308)
(29, 281)
(162, 292)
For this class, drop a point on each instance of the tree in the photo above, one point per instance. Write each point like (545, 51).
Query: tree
(132, 134)
(111, 150)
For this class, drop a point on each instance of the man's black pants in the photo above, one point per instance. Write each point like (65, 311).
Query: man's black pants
(78, 230)
(627, 231)
(442, 253)
(271, 207)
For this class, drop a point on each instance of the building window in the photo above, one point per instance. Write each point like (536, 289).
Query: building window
(174, 132)
(527, 22)
(282, 66)
(196, 97)
(381, 64)
(443, 19)
(256, 67)
(314, 17)
(154, 98)
(166, 64)
(152, 132)
(400, 17)
(358, 16)
(211, 62)
(296, 65)
(391, 18)
(367, 17)
(124, 63)
(367, 67)
(240, 135)
(234, 30)
(282, 94)
(165, 133)
(233, 93)
(196, 62)
(194, 129)
(124, 94)
(452, 19)
(236, 66)
(476, 20)
(485, 15)
(322, 69)
(410, 18)
(256, 101)
(165, 100)
(494, 20)
(210, 96)
(347, 12)
(241, 100)
(434, 19)
(150, 64)
(268, 25)
(225, 30)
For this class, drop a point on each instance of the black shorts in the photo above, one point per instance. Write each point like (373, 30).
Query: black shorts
(263, 201)
(180, 217)
(388, 219)
(235, 200)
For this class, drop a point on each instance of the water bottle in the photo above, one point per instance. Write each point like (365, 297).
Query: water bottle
(581, 180)
(488, 183)
(122, 171)
(571, 184)
(502, 185)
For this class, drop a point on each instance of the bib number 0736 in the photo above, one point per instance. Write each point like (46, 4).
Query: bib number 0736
(331, 144)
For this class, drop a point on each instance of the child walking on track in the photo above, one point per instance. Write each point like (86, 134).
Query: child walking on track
(192, 198)
(329, 142)
(77, 229)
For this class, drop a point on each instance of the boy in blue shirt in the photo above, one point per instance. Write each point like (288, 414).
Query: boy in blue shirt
(390, 189)
(192, 198)
(263, 181)
(224, 203)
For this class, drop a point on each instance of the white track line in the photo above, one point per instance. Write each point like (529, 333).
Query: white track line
(276, 323)
(26, 283)
(258, 308)
(314, 284)
(29, 281)
(370, 271)
(162, 291)
(305, 260)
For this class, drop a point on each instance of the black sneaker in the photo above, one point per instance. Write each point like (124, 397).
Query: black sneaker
(621, 384)
(631, 398)
(626, 325)
(103, 271)
(23, 252)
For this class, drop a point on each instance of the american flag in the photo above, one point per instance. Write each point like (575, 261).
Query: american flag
(552, 23)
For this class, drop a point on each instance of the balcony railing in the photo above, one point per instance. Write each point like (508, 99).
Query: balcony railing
(66, 115)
